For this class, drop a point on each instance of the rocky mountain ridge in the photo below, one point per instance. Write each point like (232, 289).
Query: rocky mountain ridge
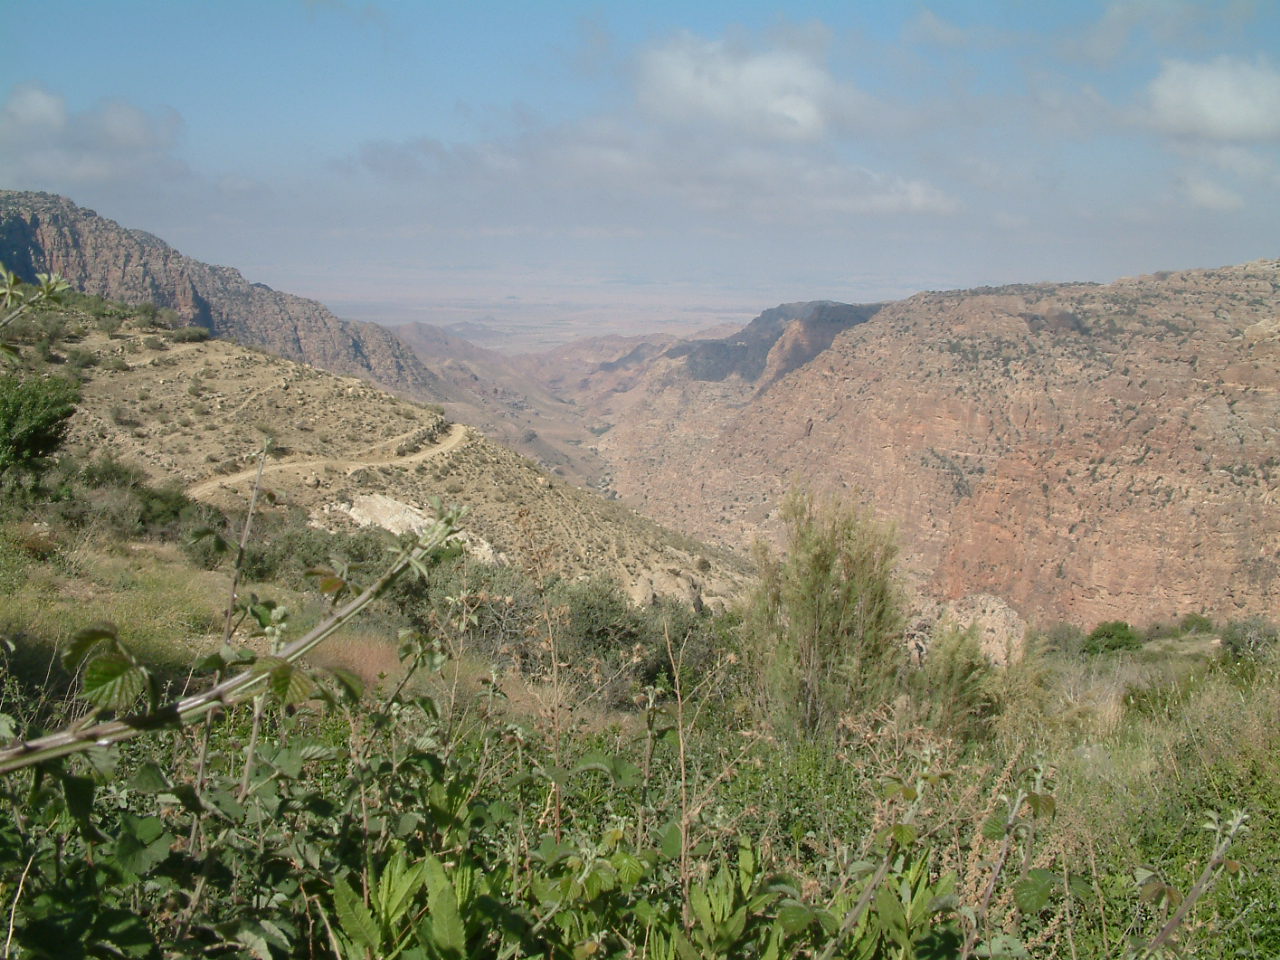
(1083, 451)
(45, 233)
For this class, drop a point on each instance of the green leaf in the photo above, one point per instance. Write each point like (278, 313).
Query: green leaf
(1041, 804)
(354, 917)
(630, 868)
(1032, 892)
(351, 684)
(78, 792)
(327, 581)
(288, 683)
(396, 888)
(113, 682)
(701, 905)
(217, 541)
(994, 828)
(794, 916)
(141, 843)
(262, 612)
(446, 928)
(1001, 946)
(82, 644)
(669, 840)
(149, 779)
(904, 834)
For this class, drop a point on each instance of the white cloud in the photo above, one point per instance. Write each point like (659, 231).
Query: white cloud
(43, 143)
(32, 108)
(1224, 99)
(781, 94)
(1202, 192)
(722, 138)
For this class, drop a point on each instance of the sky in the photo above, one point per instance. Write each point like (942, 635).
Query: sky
(597, 167)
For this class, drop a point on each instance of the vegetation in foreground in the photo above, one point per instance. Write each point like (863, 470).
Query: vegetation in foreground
(531, 767)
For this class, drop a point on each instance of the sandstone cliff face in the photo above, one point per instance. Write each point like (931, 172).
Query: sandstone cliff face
(45, 233)
(1081, 451)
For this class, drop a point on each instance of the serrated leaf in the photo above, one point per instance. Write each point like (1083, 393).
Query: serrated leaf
(446, 928)
(262, 612)
(1001, 946)
(398, 885)
(211, 663)
(113, 682)
(630, 868)
(78, 792)
(354, 917)
(1042, 804)
(290, 684)
(84, 641)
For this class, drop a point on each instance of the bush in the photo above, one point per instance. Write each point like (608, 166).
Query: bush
(823, 629)
(190, 335)
(955, 690)
(1196, 623)
(33, 419)
(1111, 636)
(1249, 638)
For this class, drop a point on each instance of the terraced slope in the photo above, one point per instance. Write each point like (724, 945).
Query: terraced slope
(199, 414)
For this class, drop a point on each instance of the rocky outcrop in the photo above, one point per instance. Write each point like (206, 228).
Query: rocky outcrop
(1083, 452)
(771, 345)
(41, 233)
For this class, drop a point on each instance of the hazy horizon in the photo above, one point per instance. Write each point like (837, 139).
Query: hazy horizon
(609, 167)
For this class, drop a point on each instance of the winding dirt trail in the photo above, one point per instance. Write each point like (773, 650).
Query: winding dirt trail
(457, 433)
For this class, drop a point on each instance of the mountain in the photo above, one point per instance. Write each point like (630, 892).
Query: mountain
(196, 415)
(43, 233)
(1082, 451)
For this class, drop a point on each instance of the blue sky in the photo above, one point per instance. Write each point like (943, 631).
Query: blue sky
(609, 165)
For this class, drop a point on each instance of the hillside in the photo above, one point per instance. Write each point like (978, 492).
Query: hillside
(198, 414)
(1082, 451)
(507, 403)
(40, 232)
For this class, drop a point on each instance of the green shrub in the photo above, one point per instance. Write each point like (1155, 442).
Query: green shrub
(34, 412)
(955, 691)
(1196, 623)
(822, 630)
(192, 334)
(1111, 636)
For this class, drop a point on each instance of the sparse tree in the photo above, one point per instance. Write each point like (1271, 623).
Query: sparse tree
(823, 628)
